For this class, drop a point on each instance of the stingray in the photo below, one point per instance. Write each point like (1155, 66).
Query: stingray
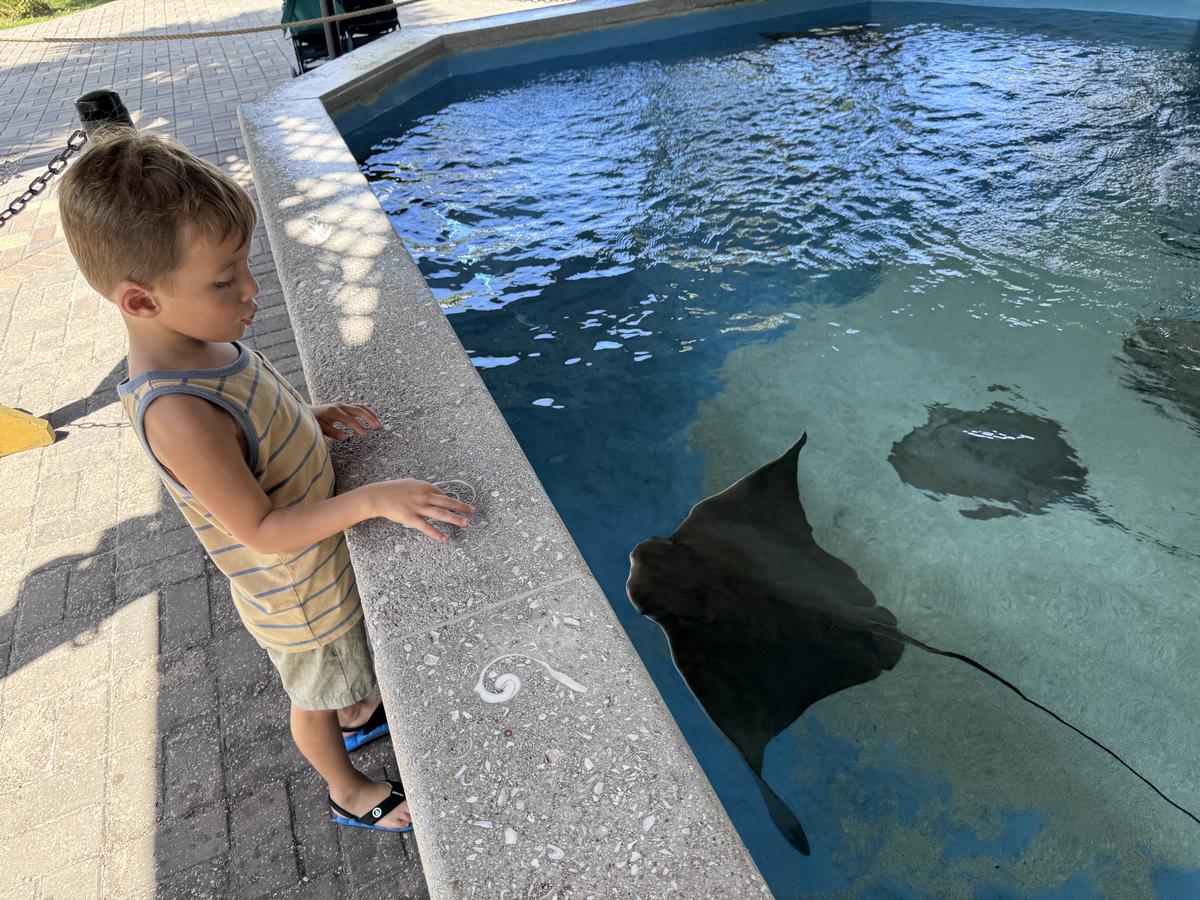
(1163, 364)
(1009, 461)
(763, 622)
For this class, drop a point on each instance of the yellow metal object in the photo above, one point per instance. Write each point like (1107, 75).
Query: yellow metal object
(21, 431)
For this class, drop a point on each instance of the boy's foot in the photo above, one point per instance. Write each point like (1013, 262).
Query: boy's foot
(380, 805)
(362, 723)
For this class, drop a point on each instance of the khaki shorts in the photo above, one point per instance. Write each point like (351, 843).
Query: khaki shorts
(337, 674)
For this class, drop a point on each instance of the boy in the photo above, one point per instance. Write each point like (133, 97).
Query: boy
(165, 237)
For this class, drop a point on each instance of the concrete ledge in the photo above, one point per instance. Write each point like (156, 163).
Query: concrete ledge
(539, 756)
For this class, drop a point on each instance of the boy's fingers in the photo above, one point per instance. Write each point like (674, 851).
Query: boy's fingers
(425, 528)
(435, 512)
(348, 419)
(446, 502)
(366, 412)
(336, 433)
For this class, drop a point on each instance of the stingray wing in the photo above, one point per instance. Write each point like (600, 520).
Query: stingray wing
(767, 493)
(762, 622)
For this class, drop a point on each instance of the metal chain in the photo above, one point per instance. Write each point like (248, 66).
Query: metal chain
(74, 144)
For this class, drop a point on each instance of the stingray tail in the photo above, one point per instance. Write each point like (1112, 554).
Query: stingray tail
(783, 817)
(898, 635)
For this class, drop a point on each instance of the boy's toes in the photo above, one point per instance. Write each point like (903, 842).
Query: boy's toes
(397, 818)
(374, 802)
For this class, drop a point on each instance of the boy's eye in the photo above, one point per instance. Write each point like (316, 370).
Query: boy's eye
(222, 284)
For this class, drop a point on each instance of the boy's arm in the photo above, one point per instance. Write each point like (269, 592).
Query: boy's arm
(197, 442)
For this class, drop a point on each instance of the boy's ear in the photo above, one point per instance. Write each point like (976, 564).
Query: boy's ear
(135, 300)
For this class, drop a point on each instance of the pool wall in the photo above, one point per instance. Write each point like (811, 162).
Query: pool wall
(1174, 9)
(539, 757)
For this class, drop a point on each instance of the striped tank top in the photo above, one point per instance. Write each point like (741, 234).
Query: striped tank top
(291, 601)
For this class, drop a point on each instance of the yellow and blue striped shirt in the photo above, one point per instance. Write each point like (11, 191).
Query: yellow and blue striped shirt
(289, 601)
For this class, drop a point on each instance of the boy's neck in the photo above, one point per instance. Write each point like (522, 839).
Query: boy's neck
(176, 351)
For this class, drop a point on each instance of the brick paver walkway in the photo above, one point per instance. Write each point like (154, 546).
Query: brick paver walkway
(143, 735)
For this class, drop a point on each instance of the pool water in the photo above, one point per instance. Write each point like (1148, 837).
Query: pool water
(932, 227)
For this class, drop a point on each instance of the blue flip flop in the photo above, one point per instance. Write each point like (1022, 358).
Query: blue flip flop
(368, 819)
(374, 727)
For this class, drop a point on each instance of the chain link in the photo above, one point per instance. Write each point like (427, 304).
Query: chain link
(74, 144)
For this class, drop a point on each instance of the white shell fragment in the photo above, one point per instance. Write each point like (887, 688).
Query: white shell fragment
(507, 684)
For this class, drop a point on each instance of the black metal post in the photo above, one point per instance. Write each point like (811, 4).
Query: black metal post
(331, 31)
(98, 108)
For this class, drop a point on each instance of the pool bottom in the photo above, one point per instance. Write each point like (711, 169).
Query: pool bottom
(943, 780)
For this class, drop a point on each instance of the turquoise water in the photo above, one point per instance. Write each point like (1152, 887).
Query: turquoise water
(669, 261)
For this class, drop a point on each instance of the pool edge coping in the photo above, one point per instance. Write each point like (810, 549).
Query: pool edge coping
(310, 184)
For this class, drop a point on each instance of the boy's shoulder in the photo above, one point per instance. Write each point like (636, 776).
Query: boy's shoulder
(173, 420)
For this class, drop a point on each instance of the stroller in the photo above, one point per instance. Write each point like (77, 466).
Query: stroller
(310, 44)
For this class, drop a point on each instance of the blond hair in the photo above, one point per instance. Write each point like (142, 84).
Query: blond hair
(125, 204)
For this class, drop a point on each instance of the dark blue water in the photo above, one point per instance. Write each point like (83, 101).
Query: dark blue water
(668, 261)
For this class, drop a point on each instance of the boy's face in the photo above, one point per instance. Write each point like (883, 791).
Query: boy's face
(211, 296)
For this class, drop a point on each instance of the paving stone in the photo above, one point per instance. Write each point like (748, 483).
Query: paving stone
(186, 687)
(154, 547)
(404, 884)
(209, 880)
(250, 765)
(135, 631)
(81, 725)
(14, 518)
(245, 671)
(26, 743)
(135, 722)
(184, 843)
(172, 570)
(90, 521)
(14, 886)
(78, 882)
(326, 887)
(264, 859)
(134, 530)
(42, 601)
(63, 791)
(56, 496)
(91, 590)
(221, 611)
(316, 834)
(192, 775)
(131, 807)
(371, 856)
(183, 609)
(58, 842)
(70, 549)
(55, 660)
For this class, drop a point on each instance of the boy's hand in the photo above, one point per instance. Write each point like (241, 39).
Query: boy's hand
(410, 502)
(348, 414)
